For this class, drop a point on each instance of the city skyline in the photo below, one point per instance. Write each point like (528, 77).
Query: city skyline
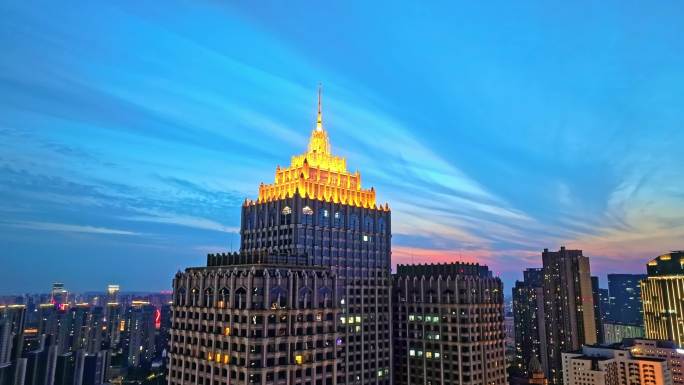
(132, 146)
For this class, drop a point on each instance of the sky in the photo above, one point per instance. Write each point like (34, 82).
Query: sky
(131, 132)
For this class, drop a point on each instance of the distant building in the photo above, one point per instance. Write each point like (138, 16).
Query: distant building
(661, 293)
(613, 366)
(568, 306)
(666, 350)
(447, 325)
(615, 332)
(599, 311)
(59, 296)
(140, 333)
(529, 323)
(113, 294)
(625, 298)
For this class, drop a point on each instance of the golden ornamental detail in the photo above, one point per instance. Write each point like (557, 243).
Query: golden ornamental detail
(317, 174)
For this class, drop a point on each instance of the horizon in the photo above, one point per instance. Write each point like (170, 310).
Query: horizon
(131, 136)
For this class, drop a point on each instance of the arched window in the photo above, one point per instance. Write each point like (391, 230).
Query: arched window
(223, 298)
(195, 296)
(257, 298)
(449, 296)
(307, 215)
(286, 216)
(368, 224)
(353, 222)
(240, 300)
(338, 219)
(180, 297)
(208, 297)
(304, 298)
(324, 297)
(272, 218)
(278, 298)
(324, 217)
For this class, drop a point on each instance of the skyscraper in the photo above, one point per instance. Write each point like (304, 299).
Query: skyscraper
(315, 222)
(599, 312)
(140, 333)
(447, 325)
(661, 293)
(113, 294)
(569, 306)
(529, 319)
(625, 298)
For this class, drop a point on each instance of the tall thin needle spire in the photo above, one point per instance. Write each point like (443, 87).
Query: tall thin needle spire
(319, 120)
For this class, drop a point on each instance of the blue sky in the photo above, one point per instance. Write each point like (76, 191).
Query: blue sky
(130, 133)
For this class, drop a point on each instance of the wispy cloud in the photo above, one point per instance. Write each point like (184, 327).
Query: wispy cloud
(69, 228)
(185, 221)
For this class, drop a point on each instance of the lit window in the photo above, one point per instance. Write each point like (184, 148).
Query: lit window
(325, 213)
(358, 329)
(365, 238)
(306, 210)
(379, 373)
(412, 317)
(337, 215)
(358, 319)
(287, 210)
(343, 320)
(436, 355)
(428, 354)
(299, 359)
(412, 353)
(218, 357)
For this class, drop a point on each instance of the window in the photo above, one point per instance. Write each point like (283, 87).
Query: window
(306, 210)
(286, 210)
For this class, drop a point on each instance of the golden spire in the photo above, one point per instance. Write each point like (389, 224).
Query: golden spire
(318, 174)
(319, 120)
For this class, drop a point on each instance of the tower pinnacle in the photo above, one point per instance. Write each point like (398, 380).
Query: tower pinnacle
(319, 120)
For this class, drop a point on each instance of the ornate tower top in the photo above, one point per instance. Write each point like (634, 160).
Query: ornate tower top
(318, 174)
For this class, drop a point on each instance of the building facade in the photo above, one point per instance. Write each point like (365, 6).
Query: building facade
(530, 323)
(568, 306)
(613, 366)
(625, 298)
(316, 215)
(257, 323)
(666, 350)
(661, 294)
(448, 325)
(614, 333)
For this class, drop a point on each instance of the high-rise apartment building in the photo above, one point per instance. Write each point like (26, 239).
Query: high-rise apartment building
(593, 365)
(599, 312)
(666, 350)
(568, 306)
(140, 333)
(625, 298)
(447, 325)
(529, 319)
(113, 294)
(315, 215)
(661, 293)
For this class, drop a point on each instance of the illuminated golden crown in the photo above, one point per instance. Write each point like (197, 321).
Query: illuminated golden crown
(317, 174)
